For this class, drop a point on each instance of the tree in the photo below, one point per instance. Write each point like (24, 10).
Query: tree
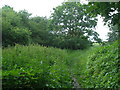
(111, 13)
(113, 35)
(72, 21)
(20, 28)
(39, 28)
(25, 16)
(12, 30)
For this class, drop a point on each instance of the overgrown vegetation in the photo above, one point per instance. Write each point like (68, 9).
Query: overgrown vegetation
(98, 67)
(103, 68)
(32, 58)
(35, 67)
(62, 30)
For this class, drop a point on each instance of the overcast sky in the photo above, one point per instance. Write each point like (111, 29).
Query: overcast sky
(44, 8)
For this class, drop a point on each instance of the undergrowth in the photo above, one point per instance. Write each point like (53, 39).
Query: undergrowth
(103, 68)
(36, 67)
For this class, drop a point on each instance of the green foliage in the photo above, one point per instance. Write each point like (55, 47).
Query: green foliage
(18, 27)
(114, 34)
(21, 35)
(73, 25)
(102, 69)
(24, 15)
(12, 30)
(39, 29)
(111, 13)
(78, 62)
(35, 67)
(96, 67)
(68, 27)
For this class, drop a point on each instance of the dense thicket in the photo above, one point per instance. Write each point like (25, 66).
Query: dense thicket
(20, 28)
(36, 67)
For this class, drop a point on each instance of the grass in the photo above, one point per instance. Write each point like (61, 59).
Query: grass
(79, 59)
(52, 67)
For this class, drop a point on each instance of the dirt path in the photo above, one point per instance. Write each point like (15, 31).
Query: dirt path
(76, 84)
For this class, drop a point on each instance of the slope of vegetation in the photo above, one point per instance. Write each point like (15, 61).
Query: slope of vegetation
(96, 67)
(103, 68)
(79, 59)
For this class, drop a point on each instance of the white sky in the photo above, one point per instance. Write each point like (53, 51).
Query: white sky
(44, 8)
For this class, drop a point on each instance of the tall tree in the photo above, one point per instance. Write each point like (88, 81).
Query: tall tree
(70, 19)
(25, 16)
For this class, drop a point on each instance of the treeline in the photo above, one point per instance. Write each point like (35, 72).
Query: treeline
(20, 28)
(70, 29)
(70, 26)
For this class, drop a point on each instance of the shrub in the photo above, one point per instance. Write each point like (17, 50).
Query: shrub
(16, 36)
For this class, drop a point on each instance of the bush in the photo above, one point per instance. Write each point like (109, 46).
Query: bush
(16, 36)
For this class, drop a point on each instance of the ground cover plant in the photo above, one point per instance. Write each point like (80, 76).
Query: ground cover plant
(35, 66)
(103, 68)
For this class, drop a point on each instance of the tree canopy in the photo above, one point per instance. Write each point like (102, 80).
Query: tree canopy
(111, 13)
(70, 26)
(71, 20)
(20, 28)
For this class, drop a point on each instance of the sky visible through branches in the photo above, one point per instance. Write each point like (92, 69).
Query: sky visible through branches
(44, 8)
